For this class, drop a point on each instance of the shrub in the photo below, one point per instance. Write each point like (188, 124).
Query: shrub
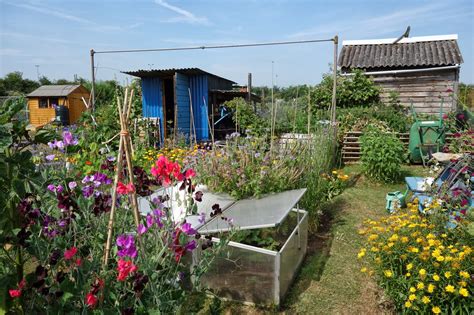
(421, 270)
(382, 155)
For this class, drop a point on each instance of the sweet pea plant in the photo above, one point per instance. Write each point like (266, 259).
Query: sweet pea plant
(62, 237)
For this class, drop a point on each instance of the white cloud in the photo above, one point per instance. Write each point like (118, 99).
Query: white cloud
(90, 25)
(184, 15)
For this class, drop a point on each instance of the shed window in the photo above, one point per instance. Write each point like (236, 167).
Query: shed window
(43, 102)
(53, 101)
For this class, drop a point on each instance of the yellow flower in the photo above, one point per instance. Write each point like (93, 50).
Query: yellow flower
(409, 266)
(435, 277)
(408, 275)
(449, 288)
(436, 310)
(431, 288)
(404, 239)
(420, 285)
(422, 272)
(407, 304)
(447, 274)
(388, 273)
(463, 292)
(462, 283)
(425, 299)
(364, 269)
(373, 237)
(361, 253)
(440, 258)
(412, 289)
(412, 297)
(464, 274)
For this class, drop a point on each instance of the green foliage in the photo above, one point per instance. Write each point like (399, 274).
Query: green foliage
(13, 84)
(382, 155)
(245, 117)
(352, 91)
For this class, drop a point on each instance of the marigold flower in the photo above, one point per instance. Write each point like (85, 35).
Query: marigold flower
(425, 299)
(412, 297)
(463, 292)
(436, 310)
(409, 266)
(412, 289)
(408, 304)
(449, 288)
(363, 269)
(464, 274)
(388, 273)
(420, 285)
(436, 277)
(422, 272)
(447, 274)
(431, 288)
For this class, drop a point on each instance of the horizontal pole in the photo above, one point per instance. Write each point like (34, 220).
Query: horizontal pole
(215, 46)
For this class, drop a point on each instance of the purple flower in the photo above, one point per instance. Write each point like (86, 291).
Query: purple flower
(86, 179)
(158, 213)
(87, 191)
(149, 220)
(68, 139)
(191, 246)
(59, 144)
(52, 145)
(187, 229)
(50, 157)
(51, 187)
(202, 218)
(126, 243)
(111, 158)
(72, 185)
(62, 223)
(141, 229)
(59, 189)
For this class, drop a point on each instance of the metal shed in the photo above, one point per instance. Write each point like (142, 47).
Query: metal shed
(167, 94)
(422, 70)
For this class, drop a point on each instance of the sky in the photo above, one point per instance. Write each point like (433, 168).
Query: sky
(53, 38)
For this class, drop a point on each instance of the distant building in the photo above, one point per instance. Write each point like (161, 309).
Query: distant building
(422, 70)
(43, 100)
(168, 94)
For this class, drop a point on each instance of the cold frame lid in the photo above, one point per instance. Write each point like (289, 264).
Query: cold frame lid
(247, 214)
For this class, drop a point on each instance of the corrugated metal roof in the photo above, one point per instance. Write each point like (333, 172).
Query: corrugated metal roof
(401, 55)
(54, 90)
(162, 73)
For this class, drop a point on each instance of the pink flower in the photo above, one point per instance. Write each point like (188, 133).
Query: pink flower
(68, 254)
(125, 267)
(14, 293)
(141, 229)
(190, 173)
(78, 262)
(123, 189)
(91, 300)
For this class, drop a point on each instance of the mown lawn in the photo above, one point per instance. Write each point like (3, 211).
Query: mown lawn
(330, 281)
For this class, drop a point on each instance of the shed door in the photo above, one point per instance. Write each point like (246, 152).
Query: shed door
(182, 101)
(152, 103)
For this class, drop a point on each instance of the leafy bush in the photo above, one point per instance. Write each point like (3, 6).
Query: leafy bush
(421, 269)
(245, 117)
(357, 90)
(382, 155)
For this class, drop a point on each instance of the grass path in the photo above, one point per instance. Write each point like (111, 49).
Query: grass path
(330, 281)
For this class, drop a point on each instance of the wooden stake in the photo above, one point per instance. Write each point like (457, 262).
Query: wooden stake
(192, 118)
(309, 111)
(125, 148)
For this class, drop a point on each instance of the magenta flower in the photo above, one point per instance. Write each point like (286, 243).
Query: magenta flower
(126, 243)
(149, 221)
(51, 187)
(187, 229)
(141, 229)
(68, 139)
(72, 185)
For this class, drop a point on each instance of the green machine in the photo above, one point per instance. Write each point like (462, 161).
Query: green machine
(426, 137)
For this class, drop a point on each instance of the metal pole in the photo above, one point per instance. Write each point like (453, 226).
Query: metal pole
(334, 84)
(93, 80)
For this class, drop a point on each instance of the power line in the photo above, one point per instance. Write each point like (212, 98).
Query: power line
(215, 46)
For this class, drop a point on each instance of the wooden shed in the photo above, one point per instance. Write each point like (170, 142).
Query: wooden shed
(43, 100)
(168, 94)
(423, 71)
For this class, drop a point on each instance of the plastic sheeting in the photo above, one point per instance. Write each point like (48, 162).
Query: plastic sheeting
(268, 211)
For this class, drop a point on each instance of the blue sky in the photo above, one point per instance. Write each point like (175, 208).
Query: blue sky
(57, 35)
